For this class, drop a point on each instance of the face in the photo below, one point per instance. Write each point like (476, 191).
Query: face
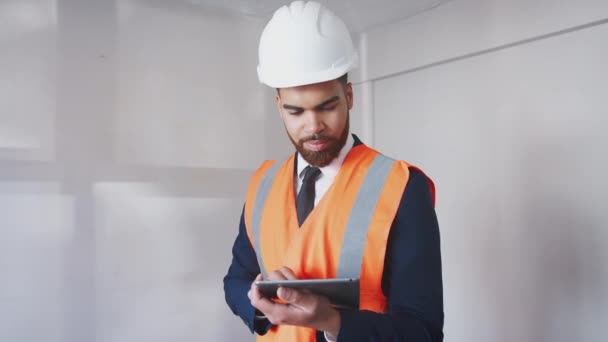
(316, 118)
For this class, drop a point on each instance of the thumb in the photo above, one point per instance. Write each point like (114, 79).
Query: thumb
(295, 297)
(289, 295)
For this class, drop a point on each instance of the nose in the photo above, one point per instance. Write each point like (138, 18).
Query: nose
(314, 124)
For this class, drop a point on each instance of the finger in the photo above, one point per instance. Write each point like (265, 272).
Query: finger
(260, 302)
(255, 291)
(253, 294)
(287, 273)
(301, 299)
(276, 313)
(276, 275)
(253, 287)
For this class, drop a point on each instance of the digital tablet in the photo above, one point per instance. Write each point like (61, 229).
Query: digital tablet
(341, 292)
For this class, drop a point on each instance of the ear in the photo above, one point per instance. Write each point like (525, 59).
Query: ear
(277, 100)
(349, 95)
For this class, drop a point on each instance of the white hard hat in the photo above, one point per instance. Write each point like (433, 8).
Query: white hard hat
(304, 43)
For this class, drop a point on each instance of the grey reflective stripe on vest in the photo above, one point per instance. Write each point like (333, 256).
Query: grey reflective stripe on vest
(355, 234)
(256, 212)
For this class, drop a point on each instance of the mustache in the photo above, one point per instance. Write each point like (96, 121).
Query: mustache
(315, 137)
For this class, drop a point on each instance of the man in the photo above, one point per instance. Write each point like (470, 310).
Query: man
(334, 208)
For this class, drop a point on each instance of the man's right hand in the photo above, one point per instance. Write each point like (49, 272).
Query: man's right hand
(283, 273)
(300, 308)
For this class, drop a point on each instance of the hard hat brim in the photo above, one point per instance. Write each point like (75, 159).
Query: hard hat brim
(288, 80)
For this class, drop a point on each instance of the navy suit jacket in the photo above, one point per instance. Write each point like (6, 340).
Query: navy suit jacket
(411, 280)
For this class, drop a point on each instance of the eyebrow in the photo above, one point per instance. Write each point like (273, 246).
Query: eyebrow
(317, 107)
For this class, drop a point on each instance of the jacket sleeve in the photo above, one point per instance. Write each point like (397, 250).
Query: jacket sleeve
(237, 282)
(411, 280)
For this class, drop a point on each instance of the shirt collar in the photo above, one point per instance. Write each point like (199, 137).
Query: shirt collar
(331, 169)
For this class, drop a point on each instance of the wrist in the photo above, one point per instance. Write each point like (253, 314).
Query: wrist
(333, 325)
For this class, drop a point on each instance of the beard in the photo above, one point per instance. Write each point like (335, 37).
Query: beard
(326, 156)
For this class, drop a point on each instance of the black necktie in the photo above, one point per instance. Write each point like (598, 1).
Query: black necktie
(306, 197)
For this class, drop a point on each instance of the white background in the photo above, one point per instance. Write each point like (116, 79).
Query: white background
(128, 131)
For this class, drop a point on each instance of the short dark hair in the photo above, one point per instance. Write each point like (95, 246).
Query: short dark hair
(342, 79)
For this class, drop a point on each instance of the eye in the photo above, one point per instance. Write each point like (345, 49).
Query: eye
(327, 109)
(294, 112)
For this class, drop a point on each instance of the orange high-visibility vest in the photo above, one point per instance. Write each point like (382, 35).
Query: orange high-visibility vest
(344, 236)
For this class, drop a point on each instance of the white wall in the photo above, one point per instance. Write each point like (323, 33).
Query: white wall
(503, 104)
(128, 132)
(129, 129)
